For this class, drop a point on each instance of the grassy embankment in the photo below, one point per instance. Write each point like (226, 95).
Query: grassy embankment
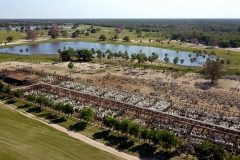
(24, 138)
(44, 138)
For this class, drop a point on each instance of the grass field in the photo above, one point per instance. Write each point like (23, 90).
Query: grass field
(24, 138)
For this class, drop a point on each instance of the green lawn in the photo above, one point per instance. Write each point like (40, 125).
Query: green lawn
(24, 138)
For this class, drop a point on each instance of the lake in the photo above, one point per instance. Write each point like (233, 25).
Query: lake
(34, 27)
(51, 48)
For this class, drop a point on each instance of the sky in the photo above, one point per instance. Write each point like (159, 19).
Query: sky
(87, 9)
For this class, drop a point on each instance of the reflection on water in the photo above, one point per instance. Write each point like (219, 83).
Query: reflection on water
(51, 48)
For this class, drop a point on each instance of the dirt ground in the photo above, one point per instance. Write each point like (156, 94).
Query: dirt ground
(111, 77)
(93, 71)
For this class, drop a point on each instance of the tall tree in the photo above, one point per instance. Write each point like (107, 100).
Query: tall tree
(70, 66)
(206, 150)
(109, 121)
(99, 55)
(21, 50)
(87, 114)
(175, 60)
(212, 70)
(181, 61)
(135, 129)
(31, 35)
(117, 30)
(125, 124)
(102, 37)
(9, 38)
(54, 31)
(126, 38)
(228, 63)
(144, 133)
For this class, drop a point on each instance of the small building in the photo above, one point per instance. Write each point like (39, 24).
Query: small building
(16, 80)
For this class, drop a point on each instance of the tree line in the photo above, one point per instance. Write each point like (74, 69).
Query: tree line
(211, 32)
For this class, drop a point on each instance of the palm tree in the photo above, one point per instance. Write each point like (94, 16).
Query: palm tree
(181, 61)
(228, 63)
(70, 66)
(99, 55)
(175, 60)
(27, 49)
(204, 56)
(166, 59)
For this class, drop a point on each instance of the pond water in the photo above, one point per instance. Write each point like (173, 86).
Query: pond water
(51, 48)
(33, 27)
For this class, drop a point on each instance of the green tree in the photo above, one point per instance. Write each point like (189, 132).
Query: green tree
(84, 55)
(18, 93)
(70, 66)
(181, 61)
(175, 60)
(115, 37)
(127, 39)
(99, 55)
(117, 125)
(40, 100)
(9, 38)
(166, 59)
(125, 124)
(144, 133)
(212, 70)
(206, 151)
(68, 109)
(87, 114)
(135, 129)
(30, 97)
(109, 121)
(228, 63)
(21, 50)
(155, 136)
(102, 37)
(169, 140)
(59, 106)
(117, 30)
(222, 61)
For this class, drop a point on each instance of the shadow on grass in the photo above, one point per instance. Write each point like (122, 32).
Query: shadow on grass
(24, 106)
(144, 150)
(101, 135)
(10, 102)
(167, 155)
(59, 120)
(49, 116)
(35, 110)
(125, 145)
(120, 141)
(80, 126)
(2, 97)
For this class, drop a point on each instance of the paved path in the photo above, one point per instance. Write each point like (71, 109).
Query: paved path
(76, 135)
